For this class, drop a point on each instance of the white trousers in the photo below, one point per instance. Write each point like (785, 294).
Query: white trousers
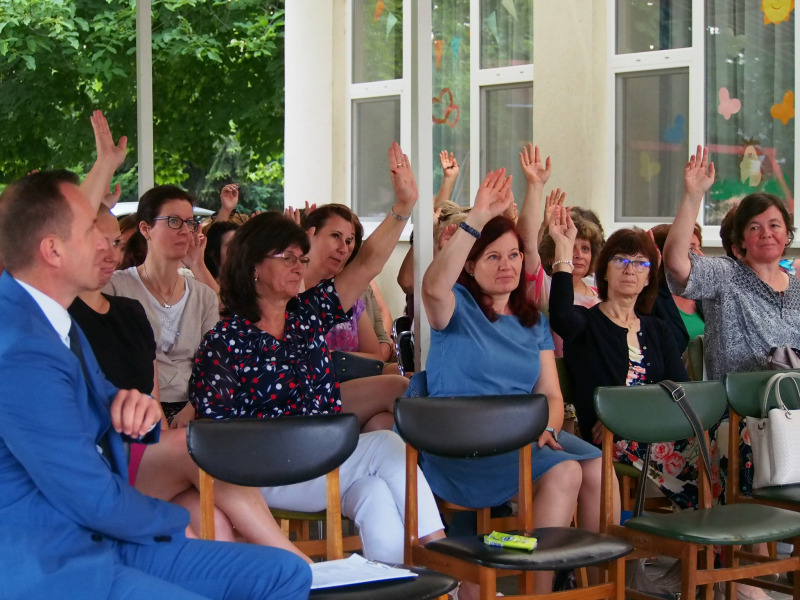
(372, 484)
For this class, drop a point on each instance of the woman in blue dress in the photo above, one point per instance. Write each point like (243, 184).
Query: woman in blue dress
(487, 338)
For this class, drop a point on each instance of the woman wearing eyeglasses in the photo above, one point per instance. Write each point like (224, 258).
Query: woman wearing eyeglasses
(617, 343)
(180, 309)
(269, 359)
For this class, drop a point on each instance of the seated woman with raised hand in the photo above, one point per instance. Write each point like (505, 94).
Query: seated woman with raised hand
(122, 340)
(476, 302)
(269, 359)
(335, 237)
(616, 343)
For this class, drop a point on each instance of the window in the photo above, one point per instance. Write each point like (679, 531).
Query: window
(715, 71)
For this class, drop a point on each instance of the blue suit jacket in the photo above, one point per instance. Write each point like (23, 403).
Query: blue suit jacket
(62, 508)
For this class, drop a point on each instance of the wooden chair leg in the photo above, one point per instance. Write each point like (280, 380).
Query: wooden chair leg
(206, 506)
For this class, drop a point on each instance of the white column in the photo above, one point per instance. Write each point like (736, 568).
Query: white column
(144, 94)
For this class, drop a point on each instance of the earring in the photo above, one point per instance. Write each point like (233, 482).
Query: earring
(256, 277)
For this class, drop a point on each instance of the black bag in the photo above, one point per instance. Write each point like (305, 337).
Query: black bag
(349, 366)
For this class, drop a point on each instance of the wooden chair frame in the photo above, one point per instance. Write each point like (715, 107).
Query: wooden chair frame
(697, 560)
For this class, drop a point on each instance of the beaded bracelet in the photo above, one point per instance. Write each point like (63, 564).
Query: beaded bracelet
(470, 230)
(566, 262)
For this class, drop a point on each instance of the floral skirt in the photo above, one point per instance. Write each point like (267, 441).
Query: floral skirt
(673, 467)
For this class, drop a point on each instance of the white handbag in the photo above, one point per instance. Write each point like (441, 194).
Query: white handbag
(775, 438)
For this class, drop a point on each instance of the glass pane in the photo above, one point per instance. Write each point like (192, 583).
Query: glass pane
(451, 101)
(651, 143)
(376, 124)
(749, 102)
(377, 40)
(506, 124)
(218, 100)
(645, 25)
(506, 33)
(59, 61)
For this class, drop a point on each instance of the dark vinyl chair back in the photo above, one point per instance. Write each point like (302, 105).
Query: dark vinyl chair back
(470, 427)
(272, 452)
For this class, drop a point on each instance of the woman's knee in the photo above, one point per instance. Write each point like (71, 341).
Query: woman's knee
(591, 473)
(567, 475)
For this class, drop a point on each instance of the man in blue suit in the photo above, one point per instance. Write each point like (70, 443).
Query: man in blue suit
(70, 525)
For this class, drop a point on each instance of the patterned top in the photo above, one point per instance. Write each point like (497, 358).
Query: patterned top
(744, 316)
(344, 336)
(241, 371)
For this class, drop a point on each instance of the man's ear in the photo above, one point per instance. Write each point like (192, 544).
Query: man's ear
(51, 250)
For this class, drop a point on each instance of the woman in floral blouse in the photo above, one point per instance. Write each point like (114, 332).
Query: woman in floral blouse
(269, 359)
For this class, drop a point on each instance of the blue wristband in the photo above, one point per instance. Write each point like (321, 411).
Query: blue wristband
(470, 230)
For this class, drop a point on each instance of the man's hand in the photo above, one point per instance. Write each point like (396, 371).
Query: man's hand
(134, 413)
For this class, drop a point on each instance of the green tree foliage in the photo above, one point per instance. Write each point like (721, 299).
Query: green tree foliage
(217, 90)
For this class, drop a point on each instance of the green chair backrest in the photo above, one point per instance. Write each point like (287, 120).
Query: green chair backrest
(647, 413)
(745, 391)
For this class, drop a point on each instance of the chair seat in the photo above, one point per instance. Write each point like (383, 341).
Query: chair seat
(779, 493)
(428, 584)
(725, 525)
(557, 548)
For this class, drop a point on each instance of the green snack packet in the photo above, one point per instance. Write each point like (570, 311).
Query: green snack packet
(507, 540)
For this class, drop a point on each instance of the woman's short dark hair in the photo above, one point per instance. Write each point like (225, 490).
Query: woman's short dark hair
(726, 232)
(149, 206)
(214, 235)
(262, 235)
(630, 242)
(587, 230)
(524, 309)
(752, 206)
(320, 215)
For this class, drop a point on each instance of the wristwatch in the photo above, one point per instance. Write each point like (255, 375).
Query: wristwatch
(553, 432)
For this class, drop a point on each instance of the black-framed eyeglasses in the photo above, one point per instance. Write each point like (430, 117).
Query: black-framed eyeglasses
(291, 260)
(177, 223)
(620, 262)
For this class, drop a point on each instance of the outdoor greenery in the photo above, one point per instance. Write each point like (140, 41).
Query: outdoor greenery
(217, 91)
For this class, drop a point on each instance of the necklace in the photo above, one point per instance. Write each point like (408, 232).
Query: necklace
(165, 302)
(624, 324)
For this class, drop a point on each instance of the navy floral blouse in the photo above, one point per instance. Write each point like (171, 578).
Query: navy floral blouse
(241, 371)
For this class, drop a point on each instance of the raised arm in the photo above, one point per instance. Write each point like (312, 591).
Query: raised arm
(378, 247)
(565, 318)
(437, 283)
(698, 177)
(110, 156)
(450, 170)
(229, 199)
(536, 175)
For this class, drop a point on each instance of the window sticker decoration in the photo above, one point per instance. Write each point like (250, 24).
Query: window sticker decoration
(750, 167)
(391, 21)
(676, 133)
(784, 111)
(734, 44)
(438, 48)
(648, 168)
(380, 6)
(776, 11)
(455, 44)
(491, 23)
(448, 109)
(509, 6)
(728, 106)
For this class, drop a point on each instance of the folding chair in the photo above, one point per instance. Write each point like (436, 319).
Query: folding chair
(274, 452)
(473, 427)
(649, 414)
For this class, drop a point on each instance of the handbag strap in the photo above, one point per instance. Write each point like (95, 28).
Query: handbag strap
(679, 396)
(775, 381)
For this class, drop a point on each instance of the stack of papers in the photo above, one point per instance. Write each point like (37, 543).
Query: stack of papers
(352, 570)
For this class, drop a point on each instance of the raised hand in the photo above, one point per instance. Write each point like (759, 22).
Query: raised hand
(109, 154)
(562, 229)
(296, 214)
(197, 250)
(449, 163)
(530, 160)
(494, 196)
(698, 175)
(229, 196)
(403, 181)
(555, 198)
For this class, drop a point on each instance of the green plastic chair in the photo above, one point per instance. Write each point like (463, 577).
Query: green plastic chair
(649, 414)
